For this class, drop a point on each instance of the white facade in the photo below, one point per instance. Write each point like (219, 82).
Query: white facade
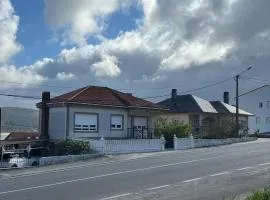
(81, 121)
(258, 103)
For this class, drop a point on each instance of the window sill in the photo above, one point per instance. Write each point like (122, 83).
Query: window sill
(115, 129)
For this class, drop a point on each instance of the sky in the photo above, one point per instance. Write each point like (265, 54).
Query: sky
(144, 47)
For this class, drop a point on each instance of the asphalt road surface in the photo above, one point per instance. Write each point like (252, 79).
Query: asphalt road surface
(206, 173)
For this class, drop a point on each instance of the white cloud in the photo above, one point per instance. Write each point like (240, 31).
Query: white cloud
(8, 29)
(106, 67)
(182, 44)
(65, 76)
(79, 18)
(24, 75)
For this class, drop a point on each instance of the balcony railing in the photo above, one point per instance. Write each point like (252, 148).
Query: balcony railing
(141, 133)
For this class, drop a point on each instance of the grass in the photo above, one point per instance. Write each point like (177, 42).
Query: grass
(260, 195)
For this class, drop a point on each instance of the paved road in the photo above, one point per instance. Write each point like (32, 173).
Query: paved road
(209, 173)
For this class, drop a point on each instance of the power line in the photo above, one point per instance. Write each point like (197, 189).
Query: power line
(207, 86)
(35, 84)
(259, 80)
(20, 96)
(153, 97)
(194, 89)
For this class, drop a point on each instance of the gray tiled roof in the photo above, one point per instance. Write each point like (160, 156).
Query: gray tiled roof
(193, 104)
(188, 104)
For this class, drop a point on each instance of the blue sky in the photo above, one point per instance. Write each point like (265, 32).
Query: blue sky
(38, 39)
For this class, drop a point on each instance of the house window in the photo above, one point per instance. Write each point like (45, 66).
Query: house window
(117, 122)
(267, 120)
(268, 104)
(196, 122)
(86, 122)
(258, 120)
(260, 104)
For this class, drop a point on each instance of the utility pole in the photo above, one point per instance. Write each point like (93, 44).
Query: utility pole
(236, 78)
(237, 104)
(0, 124)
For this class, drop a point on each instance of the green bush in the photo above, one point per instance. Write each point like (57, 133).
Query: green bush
(227, 130)
(260, 195)
(71, 147)
(171, 128)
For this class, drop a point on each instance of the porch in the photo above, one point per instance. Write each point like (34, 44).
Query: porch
(203, 124)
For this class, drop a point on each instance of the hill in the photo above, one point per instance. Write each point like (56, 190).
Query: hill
(19, 119)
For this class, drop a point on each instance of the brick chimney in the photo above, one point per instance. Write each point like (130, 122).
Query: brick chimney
(45, 116)
(226, 97)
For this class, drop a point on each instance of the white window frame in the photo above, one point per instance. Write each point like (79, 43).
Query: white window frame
(87, 126)
(117, 126)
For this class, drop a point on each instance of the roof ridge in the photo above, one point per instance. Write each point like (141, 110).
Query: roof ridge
(192, 96)
(116, 93)
(79, 92)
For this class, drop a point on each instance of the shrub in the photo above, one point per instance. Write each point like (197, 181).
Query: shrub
(227, 130)
(71, 147)
(171, 128)
(260, 195)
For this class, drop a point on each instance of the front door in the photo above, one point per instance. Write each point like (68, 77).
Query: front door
(140, 127)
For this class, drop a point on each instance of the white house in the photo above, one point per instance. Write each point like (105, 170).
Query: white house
(203, 115)
(257, 101)
(94, 112)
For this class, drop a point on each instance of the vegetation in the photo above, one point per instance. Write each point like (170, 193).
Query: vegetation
(227, 130)
(69, 147)
(171, 128)
(260, 195)
(19, 119)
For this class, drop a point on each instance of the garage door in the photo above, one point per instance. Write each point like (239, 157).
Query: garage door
(140, 122)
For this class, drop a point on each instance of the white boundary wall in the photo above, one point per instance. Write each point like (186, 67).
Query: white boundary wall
(190, 142)
(127, 146)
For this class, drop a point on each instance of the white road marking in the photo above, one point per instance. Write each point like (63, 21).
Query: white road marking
(263, 164)
(116, 196)
(65, 168)
(111, 174)
(192, 180)
(158, 187)
(219, 174)
(244, 168)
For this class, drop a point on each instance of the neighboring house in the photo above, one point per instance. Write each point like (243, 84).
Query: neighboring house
(3, 135)
(94, 112)
(22, 136)
(204, 116)
(258, 102)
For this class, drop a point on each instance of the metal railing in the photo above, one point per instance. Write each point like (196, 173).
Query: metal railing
(141, 133)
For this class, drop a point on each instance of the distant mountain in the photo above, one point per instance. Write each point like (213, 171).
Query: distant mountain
(19, 119)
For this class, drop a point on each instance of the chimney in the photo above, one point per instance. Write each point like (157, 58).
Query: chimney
(226, 98)
(174, 94)
(45, 116)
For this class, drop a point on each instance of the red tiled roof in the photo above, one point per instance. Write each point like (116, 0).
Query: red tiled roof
(103, 96)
